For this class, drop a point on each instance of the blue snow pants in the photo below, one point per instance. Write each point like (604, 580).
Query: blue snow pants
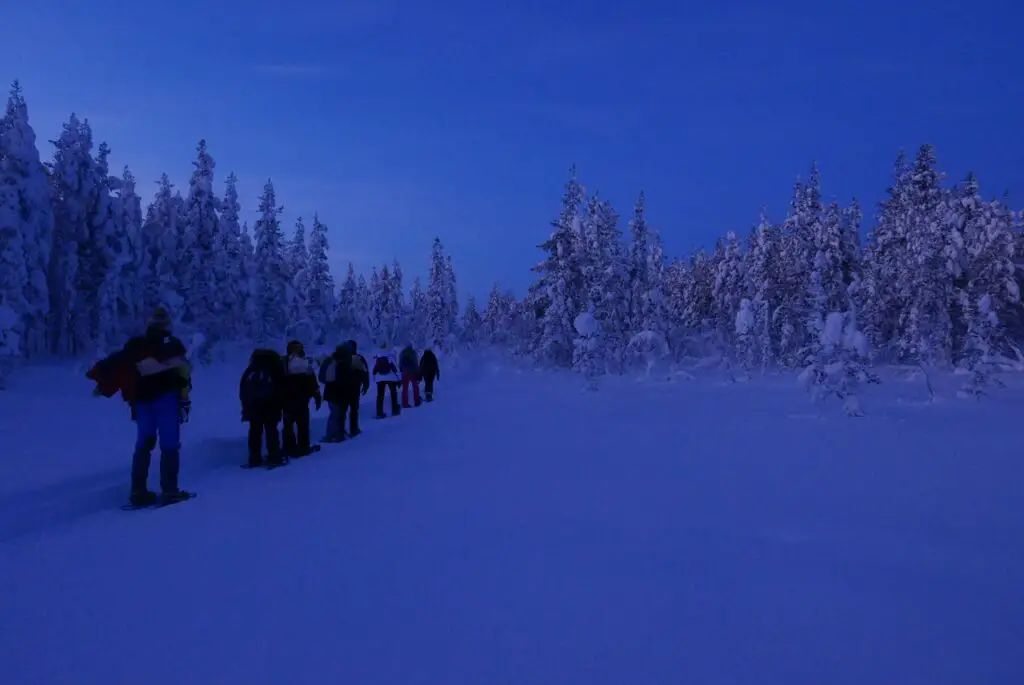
(159, 418)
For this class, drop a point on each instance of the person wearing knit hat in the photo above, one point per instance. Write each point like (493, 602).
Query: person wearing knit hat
(152, 375)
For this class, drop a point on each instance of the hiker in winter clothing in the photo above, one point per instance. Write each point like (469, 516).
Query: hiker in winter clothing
(150, 371)
(300, 387)
(409, 365)
(360, 386)
(261, 392)
(385, 375)
(429, 370)
(336, 374)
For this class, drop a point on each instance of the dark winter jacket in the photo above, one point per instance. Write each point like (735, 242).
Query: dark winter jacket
(262, 388)
(300, 383)
(338, 375)
(361, 368)
(407, 362)
(429, 368)
(148, 367)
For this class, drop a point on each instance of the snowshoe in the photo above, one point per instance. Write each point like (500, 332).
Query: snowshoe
(169, 498)
(140, 500)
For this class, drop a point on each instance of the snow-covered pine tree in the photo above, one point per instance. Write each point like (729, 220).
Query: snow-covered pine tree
(588, 358)
(160, 243)
(638, 253)
(396, 304)
(131, 261)
(926, 332)
(204, 307)
(234, 279)
(319, 282)
(762, 271)
(471, 328)
(345, 318)
(272, 273)
(887, 263)
(991, 291)
(606, 275)
(13, 278)
(439, 288)
(727, 291)
(561, 280)
(495, 323)
(249, 262)
(417, 317)
(22, 170)
(297, 263)
(102, 256)
(452, 299)
(71, 173)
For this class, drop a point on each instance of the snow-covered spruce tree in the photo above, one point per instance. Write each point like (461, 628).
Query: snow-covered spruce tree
(249, 264)
(605, 272)
(887, 263)
(727, 292)
(762, 270)
(13, 272)
(746, 337)
(71, 174)
(837, 366)
(10, 341)
(561, 281)
(924, 326)
(496, 320)
(417, 313)
(161, 255)
(204, 308)
(376, 310)
(991, 291)
(234, 280)
(452, 298)
(472, 325)
(131, 261)
(273, 290)
(22, 170)
(319, 283)
(588, 356)
(345, 319)
(638, 255)
(439, 289)
(396, 304)
(798, 233)
(297, 264)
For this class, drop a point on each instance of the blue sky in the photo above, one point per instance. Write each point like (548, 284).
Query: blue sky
(398, 121)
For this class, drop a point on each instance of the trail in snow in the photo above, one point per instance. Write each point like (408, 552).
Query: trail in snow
(517, 531)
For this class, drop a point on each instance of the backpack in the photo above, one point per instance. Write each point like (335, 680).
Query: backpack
(327, 371)
(259, 387)
(358, 363)
(382, 366)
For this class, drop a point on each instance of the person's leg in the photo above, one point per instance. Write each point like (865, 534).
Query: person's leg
(416, 391)
(256, 429)
(288, 447)
(406, 381)
(169, 428)
(380, 398)
(274, 455)
(145, 440)
(335, 418)
(302, 427)
(428, 387)
(395, 408)
(353, 416)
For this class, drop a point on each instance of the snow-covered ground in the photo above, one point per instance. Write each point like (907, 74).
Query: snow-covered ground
(517, 531)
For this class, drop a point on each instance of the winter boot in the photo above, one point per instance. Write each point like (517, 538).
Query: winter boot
(175, 496)
(142, 498)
